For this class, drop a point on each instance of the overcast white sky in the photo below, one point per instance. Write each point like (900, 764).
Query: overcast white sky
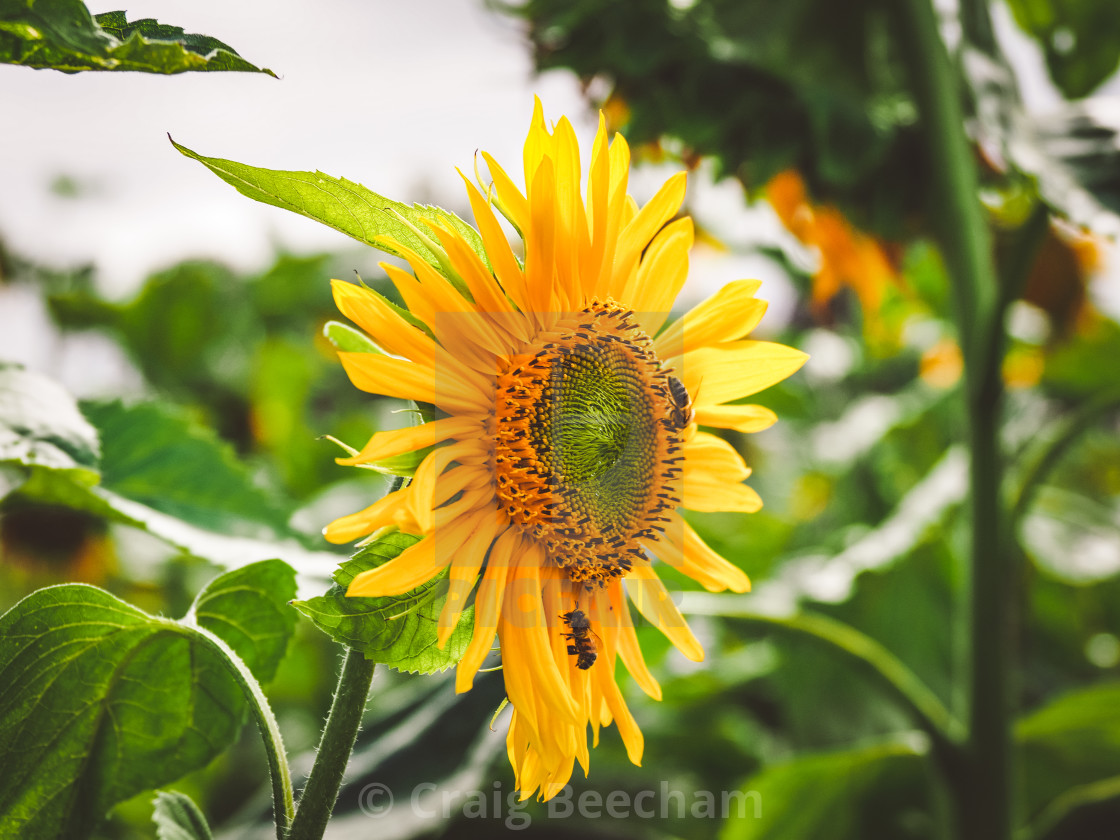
(391, 94)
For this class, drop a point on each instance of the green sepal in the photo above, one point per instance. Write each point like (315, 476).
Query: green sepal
(400, 630)
(404, 464)
(349, 340)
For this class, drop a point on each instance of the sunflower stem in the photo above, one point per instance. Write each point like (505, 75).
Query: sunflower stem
(316, 803)
(981, 788)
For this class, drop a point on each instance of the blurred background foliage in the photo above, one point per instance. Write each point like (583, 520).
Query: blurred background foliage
(219, 460)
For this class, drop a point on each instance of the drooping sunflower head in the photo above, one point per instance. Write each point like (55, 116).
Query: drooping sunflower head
(567, 434)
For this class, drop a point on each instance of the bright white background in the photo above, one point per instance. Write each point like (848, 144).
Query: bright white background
(391, 94)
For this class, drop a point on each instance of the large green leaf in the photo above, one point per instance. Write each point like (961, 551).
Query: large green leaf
(248, 608)
(100, 701)
(154, 454)
(341, 204)
(399, 631)
(62, 35)
(172, 478)
(42, 428)
(849, 795)
(1071, 742)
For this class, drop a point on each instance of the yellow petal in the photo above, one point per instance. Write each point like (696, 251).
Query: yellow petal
(423, 497)
(540, 240)
(464, 569)
(649, 220)
(487, 609)
(618, 207)
(598, 193)
(387, 444)
(386, 327)
(498, 249)
(730, 313)
(682, 548)
(414, 566)
(378, 515)
(697, 552)
(627, 726)
(485, 290)
(705, 453)
(628, 649)
(509, 197)
(653, 601)
(389, 377)
(523, 612)
(662, 273)
(709, 493)
(741, 418)
(736, 369)
(538, 145)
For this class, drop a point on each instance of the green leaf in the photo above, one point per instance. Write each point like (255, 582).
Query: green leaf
(42, 428)
(178, 818)
(100, 701)
(1072, 741)
(248, 608)
(846, 795)
(62, 35)
(153, 454)
(175, 480)
(398, 631)
(349, 340)
(341, 204)
(220, 549)
(1080, 39)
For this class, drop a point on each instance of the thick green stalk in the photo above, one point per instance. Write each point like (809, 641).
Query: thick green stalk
(982, 787)
(316, 803)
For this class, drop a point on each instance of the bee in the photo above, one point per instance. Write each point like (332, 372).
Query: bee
(582, 642)
(681, 414)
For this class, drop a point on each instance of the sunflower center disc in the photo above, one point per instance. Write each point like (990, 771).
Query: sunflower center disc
(587, 455)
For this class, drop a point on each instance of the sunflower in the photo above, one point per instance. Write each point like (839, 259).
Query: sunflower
(566, 435)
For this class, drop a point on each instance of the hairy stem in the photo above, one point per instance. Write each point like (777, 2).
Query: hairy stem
(316, 803)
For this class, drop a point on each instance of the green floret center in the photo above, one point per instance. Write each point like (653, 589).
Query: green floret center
(599, 435)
